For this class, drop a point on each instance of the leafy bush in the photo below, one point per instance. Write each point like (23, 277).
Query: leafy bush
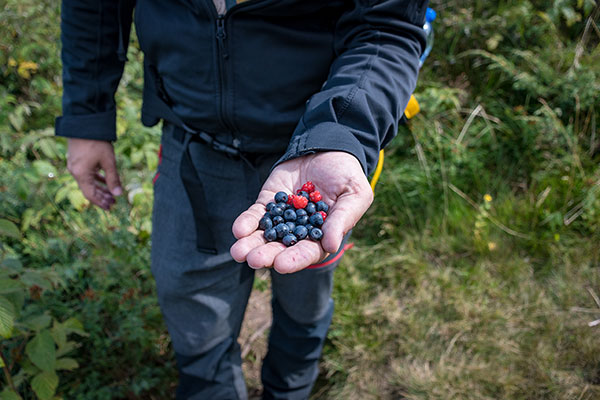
(474, 266)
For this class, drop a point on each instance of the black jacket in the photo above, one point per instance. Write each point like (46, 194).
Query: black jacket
(269, 75)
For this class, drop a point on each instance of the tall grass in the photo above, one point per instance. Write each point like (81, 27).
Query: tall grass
(475, 271)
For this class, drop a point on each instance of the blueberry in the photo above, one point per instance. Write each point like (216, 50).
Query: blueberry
(291, 225)
(282, 230)
(269, 206)
(311, 208)
(278, 220)
(321, 206)
(289, 207)
(316, 234)
(302, 220)
(308, 227)
(276, 211)
(316, 220)
(301, 212)
(282, 205)
(304, 194)
(270, 235)
(289, 215)
(265, 223)
(281, 197)
(301, 232)
(289, 240)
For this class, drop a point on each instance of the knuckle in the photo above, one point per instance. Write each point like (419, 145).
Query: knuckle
(75, 169)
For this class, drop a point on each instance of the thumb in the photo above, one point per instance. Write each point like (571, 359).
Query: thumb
(344, 214)
(109, 165)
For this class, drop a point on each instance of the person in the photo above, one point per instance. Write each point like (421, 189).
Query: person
(255, 98)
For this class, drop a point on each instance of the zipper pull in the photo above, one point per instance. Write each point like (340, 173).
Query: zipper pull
(222, 35)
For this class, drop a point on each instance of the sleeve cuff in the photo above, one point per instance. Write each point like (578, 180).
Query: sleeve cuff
(325, 136)
(98, 126)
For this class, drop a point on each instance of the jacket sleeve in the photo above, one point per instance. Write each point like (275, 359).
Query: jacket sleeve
(94, 35)
(377, 47)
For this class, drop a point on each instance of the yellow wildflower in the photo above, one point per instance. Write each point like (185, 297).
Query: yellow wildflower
(487, 198)
(26, 68)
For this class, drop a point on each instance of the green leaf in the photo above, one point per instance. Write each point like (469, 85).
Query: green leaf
(16, 120)
(77, 199)
(28, 218)
(8, 394)
(44, 168)
(67, 348)
(74, 326)
(48, 147)
(8, 285)
(45, 384)
(13, 263)
(17, 299)
(59, 334)
(38, 322)
(29, 368)
(9, 229)
(31, 278)
(1, 362)
(41, 351)
(66, 363)
(7, 317)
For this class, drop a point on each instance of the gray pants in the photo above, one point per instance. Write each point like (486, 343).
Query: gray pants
(203, 296)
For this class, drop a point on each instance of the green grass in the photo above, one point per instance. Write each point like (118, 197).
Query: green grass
(447, 294)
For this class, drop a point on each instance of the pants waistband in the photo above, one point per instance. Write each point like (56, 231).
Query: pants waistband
(179, 134)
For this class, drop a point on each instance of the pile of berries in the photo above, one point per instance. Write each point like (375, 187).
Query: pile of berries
(294, 217)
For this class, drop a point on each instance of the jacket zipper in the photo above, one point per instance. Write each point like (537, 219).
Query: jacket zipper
(222, 58)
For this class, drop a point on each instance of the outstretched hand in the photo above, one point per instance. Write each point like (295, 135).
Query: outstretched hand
(344, 187)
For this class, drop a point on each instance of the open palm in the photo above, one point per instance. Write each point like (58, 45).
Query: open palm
(344, 187)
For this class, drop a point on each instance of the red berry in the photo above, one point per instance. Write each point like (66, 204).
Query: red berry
(308, 187)
(323, 214)
(315, 196)
(290, 199)
(300, 202)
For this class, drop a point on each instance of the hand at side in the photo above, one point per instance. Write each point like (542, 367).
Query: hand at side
(85, 159)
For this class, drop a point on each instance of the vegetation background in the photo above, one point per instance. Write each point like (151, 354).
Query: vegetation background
(475, 275)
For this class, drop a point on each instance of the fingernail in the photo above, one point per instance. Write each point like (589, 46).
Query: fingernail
(117, 191)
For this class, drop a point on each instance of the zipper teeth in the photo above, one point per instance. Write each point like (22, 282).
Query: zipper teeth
(221, 37)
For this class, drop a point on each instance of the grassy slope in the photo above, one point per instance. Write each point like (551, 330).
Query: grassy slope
(450, 295)
(446, 294)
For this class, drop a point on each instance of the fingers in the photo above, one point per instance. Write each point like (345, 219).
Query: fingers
(95, 193)
(240, 249)
(247, 222)
(263, 256)
(259, 253)
(298, 257)
(255, 250)
(85, 158)
(109, 165)
(344, 214)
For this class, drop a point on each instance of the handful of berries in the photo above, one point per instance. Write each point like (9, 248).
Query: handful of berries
(295, 217)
